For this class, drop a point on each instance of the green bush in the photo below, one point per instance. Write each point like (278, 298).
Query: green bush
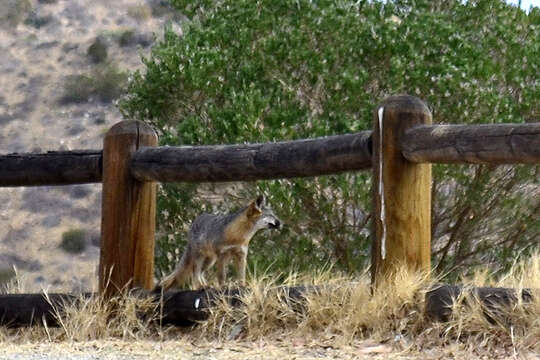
(105, 82)
(6, 275)
(77, 88)
(74, 241)
(126, 38)
(97, 51)
(258, 71)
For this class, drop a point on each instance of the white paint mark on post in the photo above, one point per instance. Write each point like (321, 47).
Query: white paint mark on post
(381, 184)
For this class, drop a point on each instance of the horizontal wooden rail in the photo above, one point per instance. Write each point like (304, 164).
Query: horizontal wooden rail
(309, 157)
(51, 168)
(184, 307)
(475, 144)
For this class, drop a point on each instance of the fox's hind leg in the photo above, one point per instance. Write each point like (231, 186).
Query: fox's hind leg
(181, 273)
(198, 279)
(202, 264)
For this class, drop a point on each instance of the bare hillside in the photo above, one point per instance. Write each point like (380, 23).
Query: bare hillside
(62, 65)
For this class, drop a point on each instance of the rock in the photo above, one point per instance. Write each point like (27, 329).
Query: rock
(79, 191)
(42, 199)
(8, 261)
(6, 117)
(94, 238)
(75, 129)
(37, 21)
(14, 235)
(47, 45)
(51, 221)
(132, 38)
(67, 47)
(99, 118)
(85, 213)
(75, 12)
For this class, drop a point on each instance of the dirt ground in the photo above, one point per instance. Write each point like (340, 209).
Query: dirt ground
(271, 349)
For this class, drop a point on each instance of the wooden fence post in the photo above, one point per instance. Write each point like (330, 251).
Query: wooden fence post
(128, 212)
(401, 191)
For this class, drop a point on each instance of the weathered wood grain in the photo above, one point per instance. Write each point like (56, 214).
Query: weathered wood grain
(474, 144)
(495, 301)
(17, 310)
(51, 168)
(401, 191)
(310, 157)
(128, 212)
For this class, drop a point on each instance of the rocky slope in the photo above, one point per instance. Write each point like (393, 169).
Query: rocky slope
(56, 94)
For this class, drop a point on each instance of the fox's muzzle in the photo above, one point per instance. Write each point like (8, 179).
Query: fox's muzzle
(275, 225)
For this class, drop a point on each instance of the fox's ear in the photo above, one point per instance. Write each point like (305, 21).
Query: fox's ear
(255, 207)
(260, 201)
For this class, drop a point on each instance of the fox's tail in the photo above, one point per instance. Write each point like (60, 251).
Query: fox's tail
(178, 276)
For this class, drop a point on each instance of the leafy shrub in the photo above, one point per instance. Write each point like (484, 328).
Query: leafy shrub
(97, 52)
(6, 275)
(74, 241)
(109, 81)
(105, 81)
(77, 88)
(126, 38)
(260, 71)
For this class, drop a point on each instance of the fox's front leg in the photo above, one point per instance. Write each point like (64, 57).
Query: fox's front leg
(222, 263)
(241, 260)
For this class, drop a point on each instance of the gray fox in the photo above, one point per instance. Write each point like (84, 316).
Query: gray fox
(218, 238)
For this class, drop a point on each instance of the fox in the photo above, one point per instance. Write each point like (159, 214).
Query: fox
(218, 239)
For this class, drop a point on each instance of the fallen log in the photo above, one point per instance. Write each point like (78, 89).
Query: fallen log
(17, 310)
(186, 307)
(441, 299)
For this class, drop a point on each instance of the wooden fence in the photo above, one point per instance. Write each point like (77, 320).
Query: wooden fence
(399, 151)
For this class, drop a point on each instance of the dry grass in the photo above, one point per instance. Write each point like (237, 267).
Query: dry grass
(342, 312)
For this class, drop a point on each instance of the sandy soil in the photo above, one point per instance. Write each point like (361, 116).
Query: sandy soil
(182, 349)
(34, 63)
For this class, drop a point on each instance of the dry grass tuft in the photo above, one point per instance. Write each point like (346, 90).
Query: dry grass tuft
(340, 308)
(344, 309)
(94, 318)
(513, 328)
